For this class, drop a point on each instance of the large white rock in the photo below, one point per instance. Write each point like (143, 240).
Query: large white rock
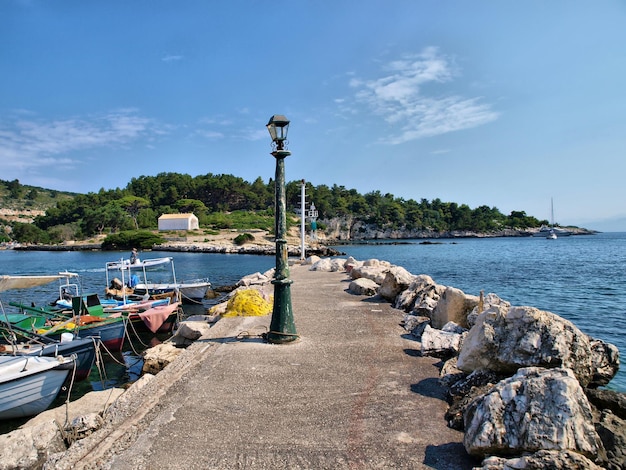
(542, 460)
(604, 361)
(377, 263)
(328, 265)
(375, 273)
(422, 287)
(454, 305)
(484, 303)
(253, 279)
(440, 343)
(507, 338)
(158, 357)
(533, 410)
(395, 281)
(350, 263)
(363, 286)
(312, 259)
(189, 331)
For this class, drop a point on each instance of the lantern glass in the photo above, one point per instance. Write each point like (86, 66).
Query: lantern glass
(278, 126)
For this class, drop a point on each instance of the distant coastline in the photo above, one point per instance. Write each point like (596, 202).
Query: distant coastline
(224, 243)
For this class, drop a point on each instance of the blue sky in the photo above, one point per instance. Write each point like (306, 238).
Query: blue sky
(504, 104)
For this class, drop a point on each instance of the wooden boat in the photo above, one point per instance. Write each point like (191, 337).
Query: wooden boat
(29, 384)
(134, 280)
(86, 319)
(19, 337)
(157, 319)
(155, 315)
(27, 343)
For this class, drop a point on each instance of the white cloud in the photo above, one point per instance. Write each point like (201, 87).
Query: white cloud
(255, 134)
(37, 143)
(211, 135)
(399, 99)
(172, 58)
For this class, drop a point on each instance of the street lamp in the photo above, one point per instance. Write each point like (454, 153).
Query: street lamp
(282, 327)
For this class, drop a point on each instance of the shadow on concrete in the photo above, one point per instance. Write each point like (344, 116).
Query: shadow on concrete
(413, 352)
(255, 336)
(449, 456)
(429, 387)
(410, 337)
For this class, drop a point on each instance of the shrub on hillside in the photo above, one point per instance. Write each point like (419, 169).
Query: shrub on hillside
(243, 238)
(126, 240)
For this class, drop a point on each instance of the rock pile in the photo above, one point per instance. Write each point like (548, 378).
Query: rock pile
(522, 383)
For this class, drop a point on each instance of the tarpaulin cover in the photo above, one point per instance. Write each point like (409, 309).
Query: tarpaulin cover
(23, 282)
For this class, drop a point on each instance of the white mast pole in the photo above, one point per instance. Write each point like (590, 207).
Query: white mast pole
(302, 220)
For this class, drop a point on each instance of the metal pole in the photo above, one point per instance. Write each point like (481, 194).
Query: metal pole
(302, 220)
(282, 327)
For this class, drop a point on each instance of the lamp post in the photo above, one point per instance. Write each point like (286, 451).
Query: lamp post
(282, 327)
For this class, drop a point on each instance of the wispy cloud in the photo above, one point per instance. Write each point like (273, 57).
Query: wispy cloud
(255, 134)
(209, 134)
(172, 58)
(216, 128)
(398, 98)
(37, 143)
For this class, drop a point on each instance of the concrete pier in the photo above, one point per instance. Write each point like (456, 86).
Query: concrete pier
(352, 392)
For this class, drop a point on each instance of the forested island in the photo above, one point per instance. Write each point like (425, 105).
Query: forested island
(225, 201)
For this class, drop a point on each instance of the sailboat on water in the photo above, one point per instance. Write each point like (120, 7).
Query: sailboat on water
(551, 232)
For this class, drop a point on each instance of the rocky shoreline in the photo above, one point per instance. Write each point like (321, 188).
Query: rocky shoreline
(224, 243)
(523, 384)
(191, 247)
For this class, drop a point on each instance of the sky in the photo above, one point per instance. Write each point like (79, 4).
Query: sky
(505, 104)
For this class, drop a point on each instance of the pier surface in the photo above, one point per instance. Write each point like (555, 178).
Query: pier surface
(352, 392)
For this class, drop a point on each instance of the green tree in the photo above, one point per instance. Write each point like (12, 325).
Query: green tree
(15, 189)
(149, 218)
(132, 239)
(29, 233)
(193, 206)
(133, 205)
(32, 194)
(111, 217)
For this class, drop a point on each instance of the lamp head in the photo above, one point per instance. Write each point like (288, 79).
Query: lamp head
(278, 126)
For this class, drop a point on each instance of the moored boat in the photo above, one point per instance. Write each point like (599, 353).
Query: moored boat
(86, 319)
(545, 230)
(157, 319)
(29, 384)
(135, 280)
(25, 343)
(19, 336)
(551, 232)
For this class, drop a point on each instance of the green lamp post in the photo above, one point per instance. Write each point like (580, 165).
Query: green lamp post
(282, 327)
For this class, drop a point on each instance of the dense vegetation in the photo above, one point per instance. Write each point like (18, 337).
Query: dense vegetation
(226, 201)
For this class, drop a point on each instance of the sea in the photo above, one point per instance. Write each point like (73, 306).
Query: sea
(581, 278)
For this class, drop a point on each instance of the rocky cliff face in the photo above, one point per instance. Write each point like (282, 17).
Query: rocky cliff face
(349, 228)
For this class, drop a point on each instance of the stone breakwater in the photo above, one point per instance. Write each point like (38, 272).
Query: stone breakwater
(249, 249)
(190, 247)
(523, 384)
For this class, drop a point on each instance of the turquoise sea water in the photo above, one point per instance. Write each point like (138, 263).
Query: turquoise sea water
(581, 278)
